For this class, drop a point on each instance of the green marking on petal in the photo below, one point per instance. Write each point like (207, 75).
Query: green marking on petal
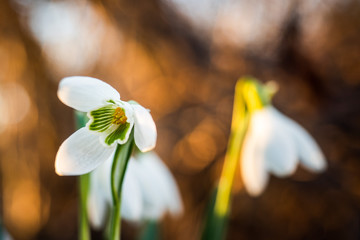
(119, 133)
(102, 118)
(110, 119)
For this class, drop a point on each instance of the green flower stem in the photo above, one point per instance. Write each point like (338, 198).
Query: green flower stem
(84, 181)
(229, 168)
(113, 175)
(116, 222)
(84, 231)
(215, 227)
(250, 96)
(121, 158)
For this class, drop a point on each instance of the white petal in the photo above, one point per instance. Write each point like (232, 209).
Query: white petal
(145, 129)
(276, 143)
(85, 93)
(159, 188)
(81, 153)
(252, 165)
(153, 201)
(132, 199)
(165, 180)
(99, 199)
(97, 210)
(309, 152)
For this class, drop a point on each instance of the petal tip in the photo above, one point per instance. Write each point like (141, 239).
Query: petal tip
(319, 163)
(147, 148)
(315, 162)
(255, 187)
(58, 172)
(58, 169)
(255, 192)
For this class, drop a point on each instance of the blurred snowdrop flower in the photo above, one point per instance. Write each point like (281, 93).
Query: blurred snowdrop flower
(149, 191)
(274, 144)
(111, 122)
(158, 187)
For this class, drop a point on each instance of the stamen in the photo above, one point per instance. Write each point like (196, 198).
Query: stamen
(119, 116)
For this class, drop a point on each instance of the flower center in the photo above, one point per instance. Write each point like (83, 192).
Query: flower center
(119, 116)
(111, 121)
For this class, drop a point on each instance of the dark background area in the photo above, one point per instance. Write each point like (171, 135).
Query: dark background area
(182, 60)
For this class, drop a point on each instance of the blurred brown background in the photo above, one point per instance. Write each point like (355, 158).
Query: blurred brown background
(181, 59)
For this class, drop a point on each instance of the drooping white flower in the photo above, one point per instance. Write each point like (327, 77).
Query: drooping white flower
(111, 122)
(276, 144)
(158, 187)
(149, 191)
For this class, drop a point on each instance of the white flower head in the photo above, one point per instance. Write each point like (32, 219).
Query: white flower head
(158, 187)
(111, 122)
(274, 144)
(149, 191)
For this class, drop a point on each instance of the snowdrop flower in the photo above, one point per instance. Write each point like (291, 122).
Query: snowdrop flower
(275, 144)
(111, 122)
(149, 191)
(159, 190)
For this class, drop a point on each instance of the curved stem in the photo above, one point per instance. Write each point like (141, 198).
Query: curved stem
(239, 125)
(113, 175)
(230, 166)
(118, 170)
